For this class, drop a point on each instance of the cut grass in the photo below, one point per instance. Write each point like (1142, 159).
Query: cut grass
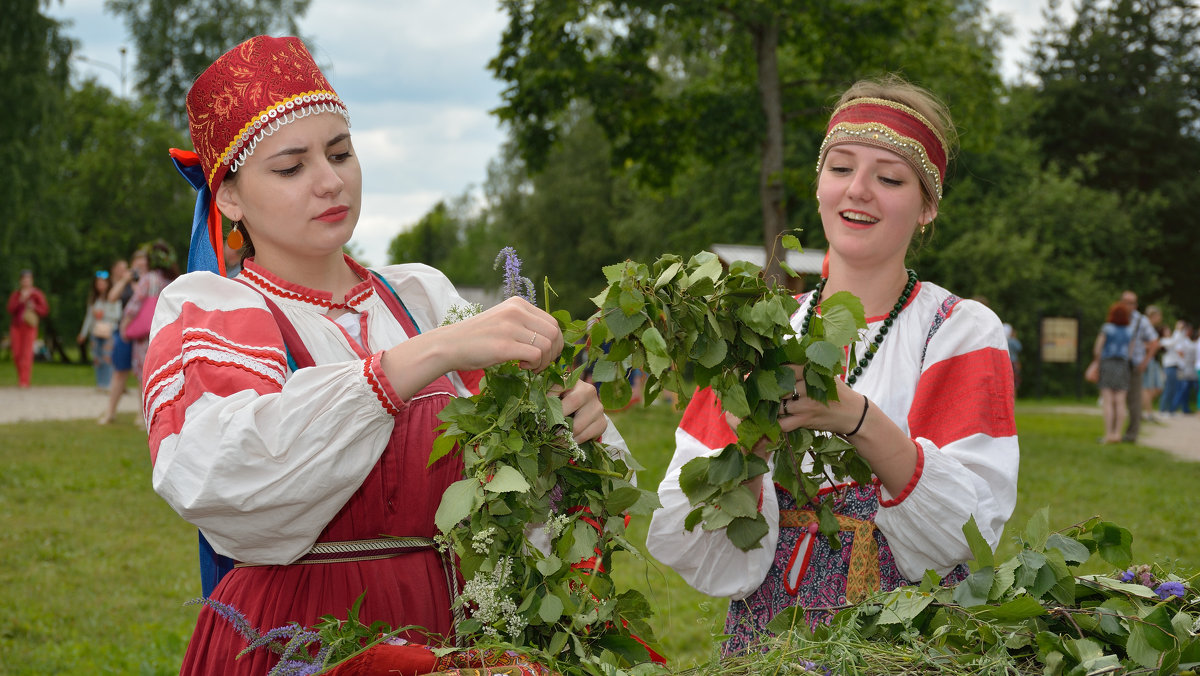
(95, 567)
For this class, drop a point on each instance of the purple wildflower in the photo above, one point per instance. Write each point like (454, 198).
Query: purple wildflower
(1127, 576)
(1168, 589)
(814, 668)
(556, 495)
(514, 283)
(231, 615)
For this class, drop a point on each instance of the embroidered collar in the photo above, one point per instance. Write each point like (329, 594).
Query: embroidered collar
(281, 289)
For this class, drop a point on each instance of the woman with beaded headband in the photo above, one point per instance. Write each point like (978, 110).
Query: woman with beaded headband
(292, 409)
(928, 401)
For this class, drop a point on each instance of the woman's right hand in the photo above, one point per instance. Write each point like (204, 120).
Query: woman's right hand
(512, 330)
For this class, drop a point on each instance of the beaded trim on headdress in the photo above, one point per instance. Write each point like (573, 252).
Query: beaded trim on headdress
(891, 126)
(269, 122)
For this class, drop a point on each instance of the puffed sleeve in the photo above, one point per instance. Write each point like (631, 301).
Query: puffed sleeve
(962, 423)
(707, 560)
(259, 458)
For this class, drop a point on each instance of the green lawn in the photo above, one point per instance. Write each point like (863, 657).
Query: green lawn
(49, 373)
(95, 567)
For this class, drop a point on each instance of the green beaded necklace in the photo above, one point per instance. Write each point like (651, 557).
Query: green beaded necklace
(873, 347)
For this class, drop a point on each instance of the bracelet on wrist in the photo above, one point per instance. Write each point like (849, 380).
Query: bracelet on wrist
(866, 404)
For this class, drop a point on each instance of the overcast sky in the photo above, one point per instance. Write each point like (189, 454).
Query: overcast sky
(414, 74)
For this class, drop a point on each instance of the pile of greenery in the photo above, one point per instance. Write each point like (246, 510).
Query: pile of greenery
(1033, 613)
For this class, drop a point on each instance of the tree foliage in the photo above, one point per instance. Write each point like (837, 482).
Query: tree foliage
(1120, 96)
(672, 81)
(177, 39)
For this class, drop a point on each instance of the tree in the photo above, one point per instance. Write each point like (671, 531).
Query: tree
(668, 81)
(1120, 93)
(177, 39)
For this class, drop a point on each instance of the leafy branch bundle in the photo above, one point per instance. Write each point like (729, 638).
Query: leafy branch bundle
(536, 522)
(733, 332)
(547, 587)
(1030, 614)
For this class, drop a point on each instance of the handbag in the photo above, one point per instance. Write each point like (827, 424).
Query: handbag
(139, 328)
(1092, 372)
(102, 329)
(30, 317)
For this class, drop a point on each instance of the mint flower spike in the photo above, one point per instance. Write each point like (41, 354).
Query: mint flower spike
(514, 283)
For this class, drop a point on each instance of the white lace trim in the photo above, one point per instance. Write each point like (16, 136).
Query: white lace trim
(268, 123)
(165, 393)
(221, 341)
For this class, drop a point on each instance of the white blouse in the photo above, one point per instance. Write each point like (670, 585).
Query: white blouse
(257, 456)
(953, 395)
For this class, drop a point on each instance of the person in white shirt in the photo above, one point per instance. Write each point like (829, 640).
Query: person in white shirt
(931, 412)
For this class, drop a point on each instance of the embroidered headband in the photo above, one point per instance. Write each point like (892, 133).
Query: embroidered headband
(892, 126)
(247, 94)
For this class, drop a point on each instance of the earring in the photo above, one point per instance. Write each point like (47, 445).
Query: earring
(235, 239)
(922, 229)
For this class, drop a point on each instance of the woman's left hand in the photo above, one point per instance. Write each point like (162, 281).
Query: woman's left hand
(582, 403)
(799, 410)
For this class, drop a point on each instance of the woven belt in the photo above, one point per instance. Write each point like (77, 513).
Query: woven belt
(863, 576)
(356, 550)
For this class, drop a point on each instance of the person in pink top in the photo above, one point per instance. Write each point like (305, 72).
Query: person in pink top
(292, 409)
(26, 306)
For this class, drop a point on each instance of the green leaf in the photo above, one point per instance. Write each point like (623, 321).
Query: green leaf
(657, 358)
(667, 275)
(747, 532)
(980, 549)
(733, 400)
(443, 445)
(1037, 529)
(791, 242)
(1019, 608)
(628, 649)
(693, 480)
(1113, 543)
(507, 480)
(584, 545)
(825, 354)
(726, 466)
(620, 324)
(1074, 552)
(903, 606)
(739, 502)
(549, 565)
(551, 609)
(623, 497)
(973, 591)
(708, 267)
(842, 316)
(460, 500)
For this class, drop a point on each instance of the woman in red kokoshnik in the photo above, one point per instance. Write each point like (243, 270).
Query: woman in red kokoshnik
(929, 407)
(295, 405)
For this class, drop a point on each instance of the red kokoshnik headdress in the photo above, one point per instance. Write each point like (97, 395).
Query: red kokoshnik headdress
(892, 126)
(244, 96)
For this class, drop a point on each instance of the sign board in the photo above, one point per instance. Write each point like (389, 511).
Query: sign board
(1060, 339)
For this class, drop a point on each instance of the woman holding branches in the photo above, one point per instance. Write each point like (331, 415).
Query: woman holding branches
(292, 409)
(926, 396)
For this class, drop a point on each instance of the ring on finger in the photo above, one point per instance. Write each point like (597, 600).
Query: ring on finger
(533, 338)
(785, 411)
(795, 394)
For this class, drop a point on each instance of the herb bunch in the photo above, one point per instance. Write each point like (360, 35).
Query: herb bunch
(1033, 613)
(732, 331)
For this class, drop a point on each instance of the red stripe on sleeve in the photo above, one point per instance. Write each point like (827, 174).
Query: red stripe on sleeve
(967, 394)
(912, 481)
(704, 419)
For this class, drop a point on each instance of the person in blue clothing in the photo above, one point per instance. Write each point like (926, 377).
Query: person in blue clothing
(1112, 349)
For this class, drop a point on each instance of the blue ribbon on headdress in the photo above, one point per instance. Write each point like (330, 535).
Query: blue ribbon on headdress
(205, 251)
